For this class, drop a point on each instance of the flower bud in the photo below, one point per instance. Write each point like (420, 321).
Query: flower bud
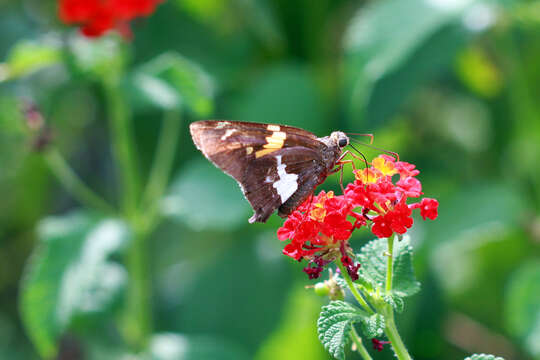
(322, 289)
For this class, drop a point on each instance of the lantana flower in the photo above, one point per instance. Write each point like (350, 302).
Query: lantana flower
(96, 17)
(319, 230)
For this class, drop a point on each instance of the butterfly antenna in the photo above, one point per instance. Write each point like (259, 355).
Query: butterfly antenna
(357, 134)
(394, 154)
(360, 153)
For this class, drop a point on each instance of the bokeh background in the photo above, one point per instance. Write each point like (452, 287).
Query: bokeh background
(453, 86)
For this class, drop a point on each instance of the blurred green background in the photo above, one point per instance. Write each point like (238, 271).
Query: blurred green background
(453, 86)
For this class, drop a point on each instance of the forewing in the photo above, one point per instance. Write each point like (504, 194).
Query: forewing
(232, 145)
(271, 180)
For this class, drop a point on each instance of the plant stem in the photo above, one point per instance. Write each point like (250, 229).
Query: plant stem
(353, 288)
(360, 345)
(138, 316)
(162, 164)
(73, 184)
(393, 335)
(390, 264)
(388, 312)
(123, 147)
(138, 310)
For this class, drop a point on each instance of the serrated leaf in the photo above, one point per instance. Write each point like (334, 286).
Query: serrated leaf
(373, 326)
(27, 57)
(404, 281)
(70, 275)
(483, 357)
(334, 326)
(374, 263)
(171, 81)
(395, 301)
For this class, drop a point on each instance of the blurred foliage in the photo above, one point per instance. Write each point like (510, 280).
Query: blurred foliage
(451, 85)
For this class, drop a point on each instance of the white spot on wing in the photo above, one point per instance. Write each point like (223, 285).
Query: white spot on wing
(287, 183)
(222, 124)
(228, 133)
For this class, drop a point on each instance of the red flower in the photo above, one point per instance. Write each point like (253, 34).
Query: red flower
(428, 208)
(96, 17)
(320, 228)
(410, 187)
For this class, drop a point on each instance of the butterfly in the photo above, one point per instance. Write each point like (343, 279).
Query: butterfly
(277, 167)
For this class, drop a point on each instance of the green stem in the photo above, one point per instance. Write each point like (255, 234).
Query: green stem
(390, 324)
(162, 165)
(73, 184)
(138, 316)
(123, 146)
(393, 335)
(138, 310)
(353, 288)
(390, 264)
(360, 345)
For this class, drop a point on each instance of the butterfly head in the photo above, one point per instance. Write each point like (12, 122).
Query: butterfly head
(339, 138)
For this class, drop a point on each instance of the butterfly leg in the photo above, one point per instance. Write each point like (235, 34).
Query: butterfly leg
(347, 152)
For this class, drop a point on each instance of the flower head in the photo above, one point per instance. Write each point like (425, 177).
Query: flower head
(96, 17)
(320, 228)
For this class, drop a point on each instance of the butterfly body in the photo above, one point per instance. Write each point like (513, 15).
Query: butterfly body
(277, 167)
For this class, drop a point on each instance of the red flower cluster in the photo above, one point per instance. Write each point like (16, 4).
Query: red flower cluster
(320, 228)
(96, 17)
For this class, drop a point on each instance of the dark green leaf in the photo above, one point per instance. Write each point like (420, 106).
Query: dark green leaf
(374, 49)
(335, 324)
(374, 263)
(395, 301)
(171, 346)
(70, 275)
(373, 326)
(170, 81)
(204, 197)
(483, 357)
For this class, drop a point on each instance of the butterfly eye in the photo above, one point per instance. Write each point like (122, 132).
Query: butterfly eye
(342, 142)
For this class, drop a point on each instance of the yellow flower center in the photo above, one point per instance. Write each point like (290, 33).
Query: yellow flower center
(387, 168)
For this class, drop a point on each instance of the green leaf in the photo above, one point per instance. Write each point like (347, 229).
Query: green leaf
(26, 57)
(375, 50)
(70, 275)
(483, 357)
(171, 346)
(335, 324)
(170, 81)
(203, 197)
(395, 301)
(521, 306)
(374, 262)
(373, 326)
